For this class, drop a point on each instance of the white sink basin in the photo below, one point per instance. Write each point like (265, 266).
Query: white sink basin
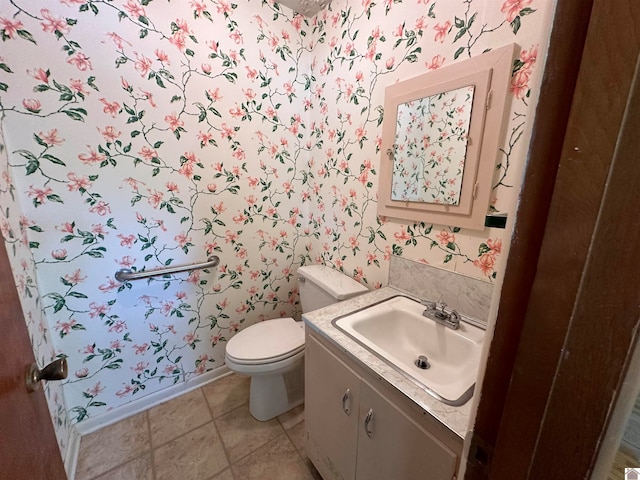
(396, 331)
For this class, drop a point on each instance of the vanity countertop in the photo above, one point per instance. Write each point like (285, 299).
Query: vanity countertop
(455, 418)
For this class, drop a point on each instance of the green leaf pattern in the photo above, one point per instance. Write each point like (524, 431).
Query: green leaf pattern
(142, 134)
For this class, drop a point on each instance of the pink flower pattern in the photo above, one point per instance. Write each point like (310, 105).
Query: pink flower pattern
(213, 128)
(512, 8)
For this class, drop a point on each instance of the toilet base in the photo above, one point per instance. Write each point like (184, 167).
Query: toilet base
(274, 394)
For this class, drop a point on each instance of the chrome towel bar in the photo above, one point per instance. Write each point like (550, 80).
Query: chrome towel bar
(126, 274)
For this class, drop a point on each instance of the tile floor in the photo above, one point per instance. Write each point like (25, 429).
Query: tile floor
(207, 434)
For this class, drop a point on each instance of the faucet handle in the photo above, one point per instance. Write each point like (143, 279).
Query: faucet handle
(443, 305)
(454, 320)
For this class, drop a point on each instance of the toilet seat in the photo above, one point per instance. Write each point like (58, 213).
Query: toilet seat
(266, 342)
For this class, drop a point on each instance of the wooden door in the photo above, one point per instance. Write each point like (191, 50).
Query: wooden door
(569, 311)
(28, 447)
(392, 445)
(332, 395)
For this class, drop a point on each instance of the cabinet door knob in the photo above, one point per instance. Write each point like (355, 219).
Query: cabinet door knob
(367, 422)
(346, 399)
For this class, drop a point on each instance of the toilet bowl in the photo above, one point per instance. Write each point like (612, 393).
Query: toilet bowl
(272, 352)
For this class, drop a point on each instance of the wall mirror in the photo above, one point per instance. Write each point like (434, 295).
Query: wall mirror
(441, 136)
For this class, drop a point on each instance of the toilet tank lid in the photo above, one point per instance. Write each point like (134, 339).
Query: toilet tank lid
(339, 285)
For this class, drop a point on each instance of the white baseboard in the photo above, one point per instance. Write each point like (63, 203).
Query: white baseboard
(144, 403)
(71, 453)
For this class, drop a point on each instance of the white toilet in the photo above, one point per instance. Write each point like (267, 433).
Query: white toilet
(272, 352)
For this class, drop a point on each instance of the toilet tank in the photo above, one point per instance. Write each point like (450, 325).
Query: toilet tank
(321, 286)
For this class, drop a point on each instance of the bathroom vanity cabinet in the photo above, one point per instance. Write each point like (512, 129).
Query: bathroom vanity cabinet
(359, 427)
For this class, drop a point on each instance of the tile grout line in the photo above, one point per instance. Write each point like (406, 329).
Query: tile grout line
(243, 457)
(215, 426)
(121, 464)
(186, 432)
(305, 461)
(221, 441)
(152, 450)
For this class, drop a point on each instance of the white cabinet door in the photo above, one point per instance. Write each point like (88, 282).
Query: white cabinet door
(392, 445)
(332, 393)
(355, 432)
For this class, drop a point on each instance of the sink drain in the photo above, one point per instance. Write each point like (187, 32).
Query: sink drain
(422, 362)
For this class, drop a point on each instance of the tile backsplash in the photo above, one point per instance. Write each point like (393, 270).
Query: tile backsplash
(469, 296)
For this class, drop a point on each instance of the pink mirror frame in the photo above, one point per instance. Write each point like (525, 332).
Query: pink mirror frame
(490, 73)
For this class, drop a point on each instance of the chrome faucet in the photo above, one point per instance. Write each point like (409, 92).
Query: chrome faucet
(438, 314)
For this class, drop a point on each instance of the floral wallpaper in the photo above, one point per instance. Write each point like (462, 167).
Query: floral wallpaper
(14, 228)
(146, 133)
(431, 146)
